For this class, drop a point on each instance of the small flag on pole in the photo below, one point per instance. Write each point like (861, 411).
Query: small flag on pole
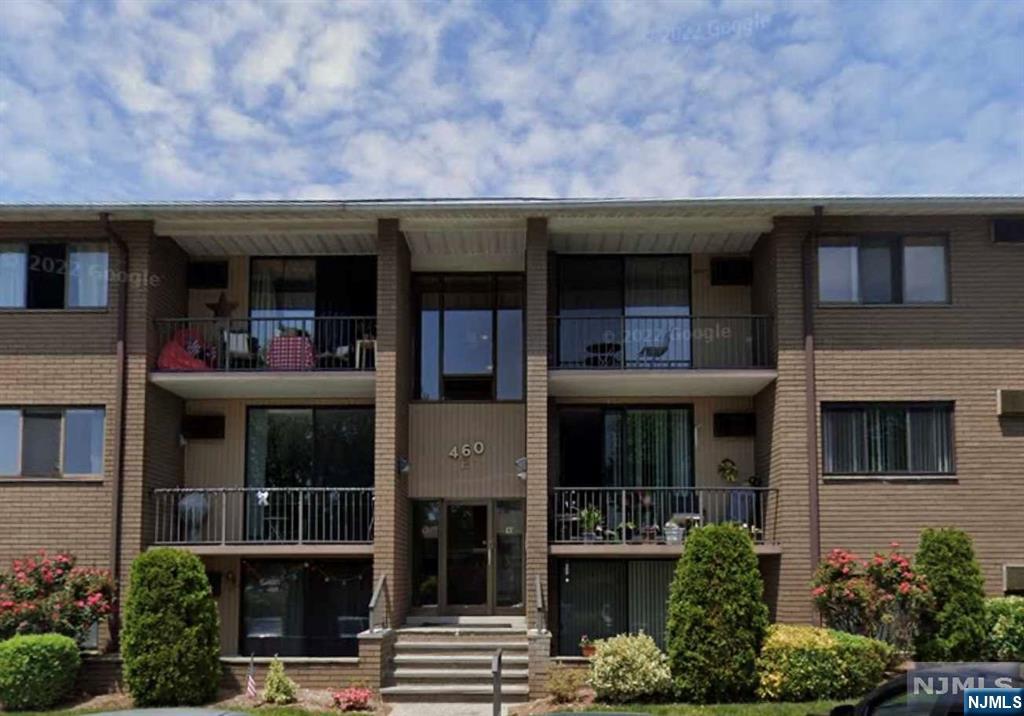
(250, 679)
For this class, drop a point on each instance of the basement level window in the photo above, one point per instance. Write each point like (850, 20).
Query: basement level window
(53, 275)
(883, 269)
(51, 442)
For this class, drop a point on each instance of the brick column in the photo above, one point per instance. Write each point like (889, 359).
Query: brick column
(536, 412)
(391, 505)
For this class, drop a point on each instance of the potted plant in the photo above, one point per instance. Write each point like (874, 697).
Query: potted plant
(590, 518)
(587, 647)
(728, 471)
(627, 531)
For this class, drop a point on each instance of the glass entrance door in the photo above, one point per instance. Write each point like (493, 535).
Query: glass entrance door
(468, 555)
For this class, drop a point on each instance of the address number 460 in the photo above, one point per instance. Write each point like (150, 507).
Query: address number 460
(466, 450)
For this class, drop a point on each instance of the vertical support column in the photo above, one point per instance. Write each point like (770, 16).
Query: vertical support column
(391, 502)
(536, 413)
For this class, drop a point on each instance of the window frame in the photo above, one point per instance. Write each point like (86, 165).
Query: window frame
(897, 280)
(313, 409)
(61, 475)
(417, 336)
(622, 410)
(906, 406)
(25, 247)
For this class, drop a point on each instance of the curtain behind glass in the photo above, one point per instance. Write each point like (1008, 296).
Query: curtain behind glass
(13, 273)
(931, 448)
(657, 296)
(280, 448)
(656, 448)
(87, 282)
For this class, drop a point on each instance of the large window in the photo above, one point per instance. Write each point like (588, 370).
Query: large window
(304, 608)
(630, 311)
(611, 447)
(51, 442)
(53, 275)
(310, 447)
(882, 269)
(888, 438)
(470, 336)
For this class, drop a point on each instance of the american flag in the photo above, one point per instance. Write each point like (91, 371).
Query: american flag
(250, 679)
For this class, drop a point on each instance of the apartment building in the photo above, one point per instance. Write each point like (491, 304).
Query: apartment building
(403, 433)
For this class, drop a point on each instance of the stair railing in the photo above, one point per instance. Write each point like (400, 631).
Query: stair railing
(379, 608)
(496, 676)
(542, 614)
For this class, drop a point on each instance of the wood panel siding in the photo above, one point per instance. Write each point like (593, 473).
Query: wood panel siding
(435, 428)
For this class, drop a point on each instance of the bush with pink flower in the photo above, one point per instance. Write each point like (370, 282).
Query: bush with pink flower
(43, 594)
(881, 597)
(353, 698)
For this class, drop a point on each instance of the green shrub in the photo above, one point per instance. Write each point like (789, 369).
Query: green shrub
(171, 638)
(37, 671)
(279, 689)
(804, 663)
(565, 682)
(1005, 618)
(953, 629)
(716, 616)
(629, 667)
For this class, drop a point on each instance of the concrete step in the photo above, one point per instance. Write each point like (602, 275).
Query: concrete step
(508, 622)
(405, 676)
(461, 632)
(462, 646)
(457, 661)
(453, 693)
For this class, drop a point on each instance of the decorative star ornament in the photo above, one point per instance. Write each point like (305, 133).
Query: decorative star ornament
(223, 308)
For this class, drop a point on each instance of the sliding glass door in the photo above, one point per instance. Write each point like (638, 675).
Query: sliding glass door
(624, 312)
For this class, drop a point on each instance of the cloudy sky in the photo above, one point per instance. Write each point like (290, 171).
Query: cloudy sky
(135, 100)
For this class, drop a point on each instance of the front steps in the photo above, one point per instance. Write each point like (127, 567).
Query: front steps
(449, 660)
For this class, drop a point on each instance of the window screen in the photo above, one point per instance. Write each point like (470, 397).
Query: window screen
(40, 443)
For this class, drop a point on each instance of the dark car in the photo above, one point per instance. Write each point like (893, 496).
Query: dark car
(893, 697)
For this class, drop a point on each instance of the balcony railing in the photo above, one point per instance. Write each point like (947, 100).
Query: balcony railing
(264, 515)
(656, 514)
(274, 343)
(660, 342)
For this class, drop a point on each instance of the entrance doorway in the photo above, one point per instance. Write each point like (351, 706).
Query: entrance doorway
(467, 557)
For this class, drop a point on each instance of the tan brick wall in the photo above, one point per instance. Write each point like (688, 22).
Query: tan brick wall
(391, 510)
(536, 413)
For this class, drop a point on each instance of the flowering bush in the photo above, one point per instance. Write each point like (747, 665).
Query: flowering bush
(882, 597)
(44, 594)
(629, 667)
(354, 698)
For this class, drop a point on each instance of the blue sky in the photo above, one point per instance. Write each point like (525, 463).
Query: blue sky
(133, 100)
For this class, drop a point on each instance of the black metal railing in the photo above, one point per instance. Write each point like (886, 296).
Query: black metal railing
(656, 514)
(279, 343)
(263, 515)
(660, 342)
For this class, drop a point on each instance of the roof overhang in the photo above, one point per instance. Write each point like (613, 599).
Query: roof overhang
(657, 383)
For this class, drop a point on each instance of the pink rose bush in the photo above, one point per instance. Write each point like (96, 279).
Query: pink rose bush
(43, 594)
(881, 597)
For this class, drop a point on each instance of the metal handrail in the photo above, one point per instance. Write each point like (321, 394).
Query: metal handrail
(496, 677)
(680, 341)
(538, 595)
(263, 515)
(266, 343)
(657, 514)
(379, 611)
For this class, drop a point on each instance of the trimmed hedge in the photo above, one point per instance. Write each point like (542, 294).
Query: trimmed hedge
(1005, 618)
(716, 616)
(629, 667)
(171, 638)
(37, 671)
(954, 629)
(805, 663)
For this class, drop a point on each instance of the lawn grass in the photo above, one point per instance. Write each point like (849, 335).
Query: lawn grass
(761, 709)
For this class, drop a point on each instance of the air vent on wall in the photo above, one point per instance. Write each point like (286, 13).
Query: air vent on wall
(1013, 580)
(729, 271)
(1008, 230)
(207, 274)
(1010, 403)
(735, 425)
(202, 427)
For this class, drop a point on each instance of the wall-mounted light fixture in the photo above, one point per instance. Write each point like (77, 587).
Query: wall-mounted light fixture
(521, 468)
(402, 466)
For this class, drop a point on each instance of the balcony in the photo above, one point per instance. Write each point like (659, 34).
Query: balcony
(266, 357)
(652, 355)
(266, 520)
(654, 520)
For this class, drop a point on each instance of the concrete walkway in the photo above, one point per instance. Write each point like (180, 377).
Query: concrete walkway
(442, 709)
